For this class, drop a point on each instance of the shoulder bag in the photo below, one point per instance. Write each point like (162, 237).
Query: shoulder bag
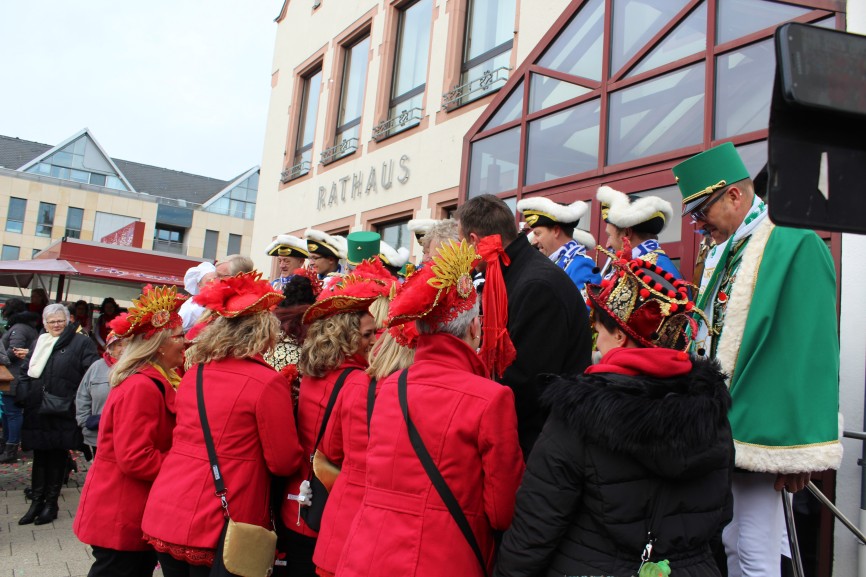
(312, 514)
(53, 405)
(435, 476)
(243, 549)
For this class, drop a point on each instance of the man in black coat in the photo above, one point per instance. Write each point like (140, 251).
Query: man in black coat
(547, 317)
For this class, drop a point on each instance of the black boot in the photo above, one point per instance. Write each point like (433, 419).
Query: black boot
(11, 454)
(37, 502)
(53, 482)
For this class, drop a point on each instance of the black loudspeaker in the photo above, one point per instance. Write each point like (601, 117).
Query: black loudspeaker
(817, 141)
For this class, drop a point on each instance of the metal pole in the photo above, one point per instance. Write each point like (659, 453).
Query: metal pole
(839, 515)
(796, 560)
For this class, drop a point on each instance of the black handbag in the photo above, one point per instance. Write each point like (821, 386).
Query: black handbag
(313, 513)
(53, 405)
(435, 476)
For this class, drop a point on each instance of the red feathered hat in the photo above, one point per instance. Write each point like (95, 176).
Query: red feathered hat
(353, 292)
(440, 292)
(647, 302)
(239, 295)
(155, 310)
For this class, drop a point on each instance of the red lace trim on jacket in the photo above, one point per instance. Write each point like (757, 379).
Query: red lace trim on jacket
(191, 555)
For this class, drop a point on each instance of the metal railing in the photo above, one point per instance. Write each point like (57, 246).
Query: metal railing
(405, 119)
(295, 171)
(462, 93)
(344, 147)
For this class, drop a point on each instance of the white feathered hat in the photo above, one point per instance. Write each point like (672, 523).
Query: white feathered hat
(393, 258)
(649, 214)
(288, 245)
(541, 211)
(324, 244)
(420, 226)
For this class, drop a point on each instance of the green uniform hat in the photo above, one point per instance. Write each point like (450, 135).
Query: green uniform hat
(707, 172)
(363, 244)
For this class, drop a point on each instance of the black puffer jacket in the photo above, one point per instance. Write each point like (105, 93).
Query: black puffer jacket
(72, 355)
(611, 444)
(21, 334)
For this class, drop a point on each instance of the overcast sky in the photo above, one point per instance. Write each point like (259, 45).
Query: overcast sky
(182, 84)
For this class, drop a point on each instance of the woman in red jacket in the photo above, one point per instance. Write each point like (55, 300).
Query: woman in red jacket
(467, 424)
(249, 409)
(339, 337)
(134, 436)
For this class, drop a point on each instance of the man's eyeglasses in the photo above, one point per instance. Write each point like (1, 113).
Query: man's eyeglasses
(700, 213)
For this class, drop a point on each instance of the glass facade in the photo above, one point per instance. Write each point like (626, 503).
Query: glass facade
(80, 161)
(410, 59)
(239, 201)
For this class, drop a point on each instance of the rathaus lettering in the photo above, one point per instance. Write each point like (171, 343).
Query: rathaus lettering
(360, 184)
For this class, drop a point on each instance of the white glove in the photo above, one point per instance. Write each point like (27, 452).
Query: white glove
(304, 496)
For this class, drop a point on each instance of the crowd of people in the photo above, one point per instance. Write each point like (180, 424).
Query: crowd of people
(506, 407)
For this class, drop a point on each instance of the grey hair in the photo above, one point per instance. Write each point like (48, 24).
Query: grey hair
(51, 310)
(457, 326)
(440, 232)
(239, 263)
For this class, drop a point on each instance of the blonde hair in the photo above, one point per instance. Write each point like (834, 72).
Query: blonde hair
(389, 356)
(329, 341)
(239, 338)
(379, 310)
(137, 352)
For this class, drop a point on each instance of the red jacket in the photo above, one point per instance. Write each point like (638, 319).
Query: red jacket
(345, 445)
(312, 403)
(134, 438)
(469, 426)
(249, 409)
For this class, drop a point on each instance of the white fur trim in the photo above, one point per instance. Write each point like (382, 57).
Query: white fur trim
(338, 242)
(287, 240)
(799, 459)
(627, 211)
(559, 212)
(421, 225)
(737, 311)
(396, 258)
(584, 238)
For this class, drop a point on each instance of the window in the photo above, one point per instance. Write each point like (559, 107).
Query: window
(307, 123)
(74, 218)
(397, 234)
(351, 100)
(211, 239)
(410, 67)
(168, 239)
(234, 244)
(35, 252)
(15, 214)
(486, 48)
(106, 223)
(239, 201)
(45, 219)
(10, 252)
(80, 161)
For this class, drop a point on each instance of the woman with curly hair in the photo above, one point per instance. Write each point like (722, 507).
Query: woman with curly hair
(340, 334)
(253, 434)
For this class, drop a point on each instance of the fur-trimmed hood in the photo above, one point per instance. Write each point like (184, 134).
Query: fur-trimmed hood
(671, 426)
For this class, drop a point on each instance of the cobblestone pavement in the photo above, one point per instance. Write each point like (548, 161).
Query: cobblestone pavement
(50, 550)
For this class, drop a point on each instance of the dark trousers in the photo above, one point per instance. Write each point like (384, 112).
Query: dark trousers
(111, 563)
(49, 467)
(171, 567)
(298, 554)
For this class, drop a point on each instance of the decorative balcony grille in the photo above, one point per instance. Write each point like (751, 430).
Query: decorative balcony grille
(293, 172)
(344, 147)
(463, 93)
(391, 126)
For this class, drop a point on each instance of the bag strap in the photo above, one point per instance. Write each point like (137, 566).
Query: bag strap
(331, 401)
(371, 400)
(208, 441)
(435, 476)
(159, 385)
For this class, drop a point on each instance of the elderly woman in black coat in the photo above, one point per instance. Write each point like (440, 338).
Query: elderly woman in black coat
(633, 465)
(51, 374)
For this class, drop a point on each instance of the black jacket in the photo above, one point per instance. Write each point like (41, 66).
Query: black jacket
(21, 334)
(615, 450)
(549, 326)
(72, 355)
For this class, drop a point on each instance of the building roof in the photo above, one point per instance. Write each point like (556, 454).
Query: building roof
(153, 180)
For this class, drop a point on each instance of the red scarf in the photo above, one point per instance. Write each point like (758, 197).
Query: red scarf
(497, 350)
(655, 362)
(109, 360)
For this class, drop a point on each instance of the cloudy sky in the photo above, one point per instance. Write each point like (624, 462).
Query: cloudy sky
(182, 84)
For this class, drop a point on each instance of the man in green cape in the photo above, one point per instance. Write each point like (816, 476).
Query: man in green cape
(768, 294)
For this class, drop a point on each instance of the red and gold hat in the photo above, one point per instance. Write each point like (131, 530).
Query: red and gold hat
(155, 310)
(647, 302)
(440, 292)
(353, 292)
(243, 294)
